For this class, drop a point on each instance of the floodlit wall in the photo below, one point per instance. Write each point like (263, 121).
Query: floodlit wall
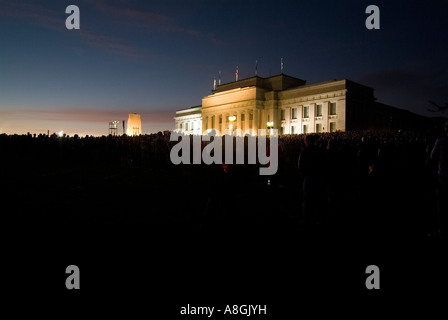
(134, 125)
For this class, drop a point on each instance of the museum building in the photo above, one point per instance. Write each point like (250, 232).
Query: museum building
(293, 107)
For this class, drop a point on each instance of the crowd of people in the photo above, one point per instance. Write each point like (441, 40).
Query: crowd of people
(371, 178)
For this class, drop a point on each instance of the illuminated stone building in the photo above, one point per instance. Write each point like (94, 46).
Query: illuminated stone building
(134, 127)
(290, 105)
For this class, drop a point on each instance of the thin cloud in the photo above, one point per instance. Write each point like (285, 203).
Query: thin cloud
(49, 19)
(87, 115)
(147, 20)
(110, 44)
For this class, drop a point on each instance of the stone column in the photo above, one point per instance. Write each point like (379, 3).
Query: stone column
(312, 119)
(223, 123)
(256, 120)
(325, 117)
(204, 117)
(246, 120)
(238, 119)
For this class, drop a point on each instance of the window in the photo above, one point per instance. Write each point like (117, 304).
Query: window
(181, 126)
(332, 126)
(318, 127)
(251, 116)
(292, 130)
(282, 114)
(306, 111)
(186, 126)
(220, 119)
(243, 117)
(281, 130)
(332, 108)
(294, 113)
(305, 128)
(319, 110)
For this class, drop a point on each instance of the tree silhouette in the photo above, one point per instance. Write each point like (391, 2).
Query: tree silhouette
(439, 108)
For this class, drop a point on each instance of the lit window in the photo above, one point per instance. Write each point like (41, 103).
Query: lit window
(319, 110)
(332, 126)
(306, 111)
(332, 108)
(294, 113)
(282, 115)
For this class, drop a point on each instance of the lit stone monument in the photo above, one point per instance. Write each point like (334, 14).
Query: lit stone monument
(134, 127)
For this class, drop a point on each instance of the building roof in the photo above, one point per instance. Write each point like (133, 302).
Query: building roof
(189, 111)
(274, 83)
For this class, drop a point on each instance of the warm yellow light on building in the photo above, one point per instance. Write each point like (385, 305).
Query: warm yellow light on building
(134, 125)
(232, 118)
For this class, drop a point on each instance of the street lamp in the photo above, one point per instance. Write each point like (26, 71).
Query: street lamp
(231, 119)
(270, 125)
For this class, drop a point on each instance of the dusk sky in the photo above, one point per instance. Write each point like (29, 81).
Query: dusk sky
(155, 57)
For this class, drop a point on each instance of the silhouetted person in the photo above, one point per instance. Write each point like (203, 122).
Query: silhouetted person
(440, 154)
(310, 167)
(162, 151)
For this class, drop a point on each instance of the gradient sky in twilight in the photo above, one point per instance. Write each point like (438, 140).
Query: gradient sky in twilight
(153, 57)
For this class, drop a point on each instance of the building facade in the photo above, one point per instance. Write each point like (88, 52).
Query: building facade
(134, 127)
(285, 103)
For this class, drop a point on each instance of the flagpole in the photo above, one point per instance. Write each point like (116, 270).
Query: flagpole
(256, 67)
(281, 63)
